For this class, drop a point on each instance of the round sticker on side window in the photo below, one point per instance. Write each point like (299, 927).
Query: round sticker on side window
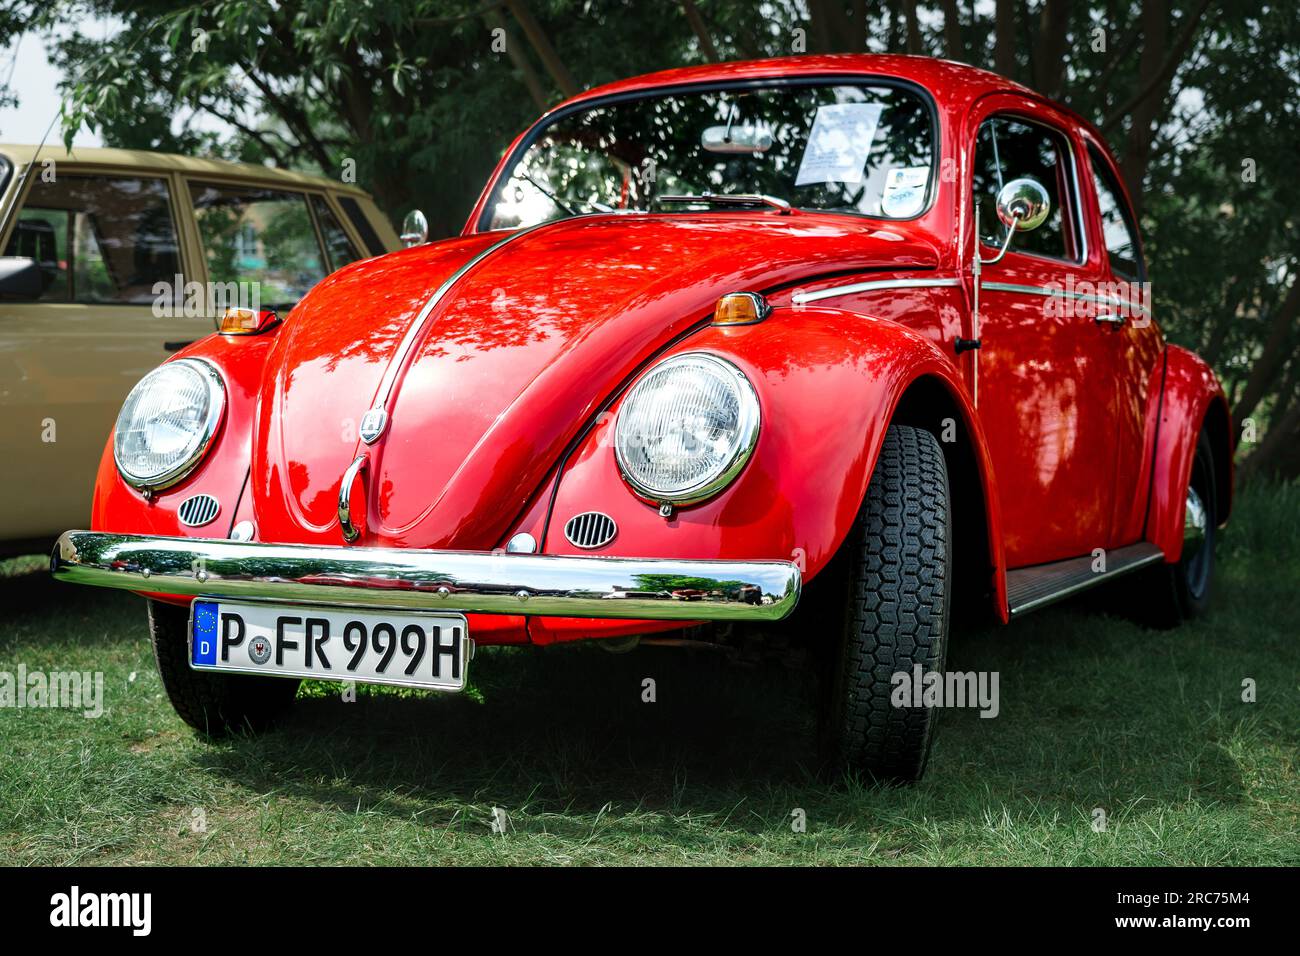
(903, 203)
(904, 192)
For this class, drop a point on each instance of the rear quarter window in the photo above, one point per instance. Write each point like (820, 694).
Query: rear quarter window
(357, 216)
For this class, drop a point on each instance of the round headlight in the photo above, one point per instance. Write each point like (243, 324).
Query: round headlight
(167, 423)
(686, 429)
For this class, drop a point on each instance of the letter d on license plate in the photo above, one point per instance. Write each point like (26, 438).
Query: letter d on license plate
(412, 649)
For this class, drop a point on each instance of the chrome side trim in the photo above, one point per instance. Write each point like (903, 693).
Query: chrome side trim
(1029, 589)
(470, 582)
(801, 298)
(1049, 293)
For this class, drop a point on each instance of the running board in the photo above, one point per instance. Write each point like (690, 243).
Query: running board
(1028, 589)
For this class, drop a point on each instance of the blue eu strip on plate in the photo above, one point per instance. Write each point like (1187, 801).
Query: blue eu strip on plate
(203, 648)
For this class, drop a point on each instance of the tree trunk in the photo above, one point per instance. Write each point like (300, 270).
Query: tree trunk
(953, 41)
(1004, 39)
(519, 59)
(830, 28)
(1156, 72)
(892, 41)
(1049, 50)
(1137, 148)
(1271, 358)
(1276, 455)
(700, 30)
(545, 52)
(858, 25)
(913, 27)
(1224, 319)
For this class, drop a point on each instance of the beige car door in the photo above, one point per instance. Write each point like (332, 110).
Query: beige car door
(109, 245)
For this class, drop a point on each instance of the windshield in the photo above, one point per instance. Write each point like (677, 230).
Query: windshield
(849, 148)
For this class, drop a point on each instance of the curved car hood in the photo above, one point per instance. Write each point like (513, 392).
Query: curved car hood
(512, 361)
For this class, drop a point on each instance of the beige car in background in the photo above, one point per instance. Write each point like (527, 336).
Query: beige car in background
(89, 240)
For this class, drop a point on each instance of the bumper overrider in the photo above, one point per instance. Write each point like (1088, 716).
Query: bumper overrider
(470, 582)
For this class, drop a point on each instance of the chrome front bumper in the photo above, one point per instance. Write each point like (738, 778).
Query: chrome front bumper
(471, 582)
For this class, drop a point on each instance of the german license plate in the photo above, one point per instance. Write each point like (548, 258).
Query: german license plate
(409, 648)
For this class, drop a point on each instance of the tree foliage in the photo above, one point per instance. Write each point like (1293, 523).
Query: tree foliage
(1199, 98)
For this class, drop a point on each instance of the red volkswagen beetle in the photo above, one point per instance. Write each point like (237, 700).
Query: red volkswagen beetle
(875, 328)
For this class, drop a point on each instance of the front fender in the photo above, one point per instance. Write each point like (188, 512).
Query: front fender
(828, 384)
(118, 507)
(1191, 399)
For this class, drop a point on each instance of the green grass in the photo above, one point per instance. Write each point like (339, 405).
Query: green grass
(1096, 712)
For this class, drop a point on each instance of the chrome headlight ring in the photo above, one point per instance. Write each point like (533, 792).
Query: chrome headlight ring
(190, 380)
(686, 428)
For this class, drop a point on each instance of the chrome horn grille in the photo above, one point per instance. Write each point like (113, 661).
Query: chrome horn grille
(591, 529)
(198, 510)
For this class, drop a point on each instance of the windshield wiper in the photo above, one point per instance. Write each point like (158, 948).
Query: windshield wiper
(731, 199)
(563, 206)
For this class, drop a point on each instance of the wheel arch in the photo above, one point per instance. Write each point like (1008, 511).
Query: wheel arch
(830, 382)
(1192, 401)
(1218, 425)
(930, 402)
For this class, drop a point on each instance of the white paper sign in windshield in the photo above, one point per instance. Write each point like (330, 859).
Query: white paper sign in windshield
(839, 143)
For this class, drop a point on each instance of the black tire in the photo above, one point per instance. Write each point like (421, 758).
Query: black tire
(213, 704)
(1166, 595)
(891, 579)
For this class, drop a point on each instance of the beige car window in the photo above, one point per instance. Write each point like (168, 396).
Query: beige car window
(257, 235)
(99, 239)
(337, 243)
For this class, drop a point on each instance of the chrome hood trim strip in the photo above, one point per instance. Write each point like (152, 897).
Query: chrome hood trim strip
(413, 333)
(873, 285)
(470, 582)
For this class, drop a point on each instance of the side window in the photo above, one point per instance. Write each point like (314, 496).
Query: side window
(1117, 226)
(99, 239)
(356, 215)
(337, 244)
(1007, 149)
(258, 235)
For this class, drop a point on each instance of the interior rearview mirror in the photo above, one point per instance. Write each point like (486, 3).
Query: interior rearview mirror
(736, 139)
(20, 278)
(415, 229)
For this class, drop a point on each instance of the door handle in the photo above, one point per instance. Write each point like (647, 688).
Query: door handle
(1110, 318)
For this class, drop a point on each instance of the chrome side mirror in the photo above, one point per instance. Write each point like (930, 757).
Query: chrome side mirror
(1023, 204)
(415, 229)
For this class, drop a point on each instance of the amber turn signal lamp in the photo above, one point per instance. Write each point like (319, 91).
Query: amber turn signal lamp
(242, 321)
(740, 308)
